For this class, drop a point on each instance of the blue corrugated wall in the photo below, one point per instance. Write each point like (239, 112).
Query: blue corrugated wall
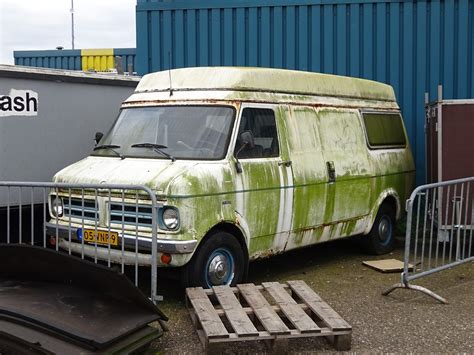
(68, 59)
(64, 59)
(128, 57)
(412, 45)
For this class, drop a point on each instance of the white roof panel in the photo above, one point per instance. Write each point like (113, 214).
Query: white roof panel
(265, 80)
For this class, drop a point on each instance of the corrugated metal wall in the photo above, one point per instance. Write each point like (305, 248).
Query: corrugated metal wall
(97, 59)
(64, 59)
(85, 59)
(128, 56)
(413, 45)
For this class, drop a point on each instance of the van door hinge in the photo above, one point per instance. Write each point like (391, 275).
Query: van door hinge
(285, 163)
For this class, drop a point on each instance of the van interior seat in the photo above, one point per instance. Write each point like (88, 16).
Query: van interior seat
(256, 152)
(273, 150)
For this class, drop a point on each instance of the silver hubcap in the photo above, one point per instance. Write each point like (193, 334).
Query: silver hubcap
(218, 270)
(384, 229)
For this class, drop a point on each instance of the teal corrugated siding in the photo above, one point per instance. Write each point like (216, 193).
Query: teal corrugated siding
(67, 59)
(64, 59)
(412, 45)
(128, 57)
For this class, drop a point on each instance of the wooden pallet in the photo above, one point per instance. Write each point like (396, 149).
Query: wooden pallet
(272, 312)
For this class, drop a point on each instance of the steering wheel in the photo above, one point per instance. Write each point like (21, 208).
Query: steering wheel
(184, 145)
(204, 145)
(205, 152)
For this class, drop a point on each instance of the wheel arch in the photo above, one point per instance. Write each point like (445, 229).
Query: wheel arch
(389, 197)
(235, 231)
(231, 229)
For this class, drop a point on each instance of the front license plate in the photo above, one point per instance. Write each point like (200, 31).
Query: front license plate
(99, 236)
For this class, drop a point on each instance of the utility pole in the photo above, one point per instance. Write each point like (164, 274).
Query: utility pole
(72, 22)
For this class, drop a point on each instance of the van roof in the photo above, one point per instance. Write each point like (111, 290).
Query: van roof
(265, 80)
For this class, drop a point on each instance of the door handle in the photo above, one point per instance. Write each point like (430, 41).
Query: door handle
(285, 163)
(331, 171)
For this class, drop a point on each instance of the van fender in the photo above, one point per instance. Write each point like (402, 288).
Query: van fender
(388, 193)
(243, 226)
(230, 215)
(233, 226)
(238, 222)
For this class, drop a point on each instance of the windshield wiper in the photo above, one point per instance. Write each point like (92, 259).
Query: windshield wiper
(111, 147)
(156, 147)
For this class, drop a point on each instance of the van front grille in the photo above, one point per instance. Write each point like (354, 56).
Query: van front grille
(131, 215)
(78, 208)
(119, 213)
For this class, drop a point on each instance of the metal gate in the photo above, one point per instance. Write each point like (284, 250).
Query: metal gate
(115, 225)
(439, 231)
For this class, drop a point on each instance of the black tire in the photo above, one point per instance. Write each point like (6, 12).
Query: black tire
(220, 252)
(381, 238)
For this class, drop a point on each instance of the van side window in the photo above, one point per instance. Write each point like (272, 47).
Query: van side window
(340, 131)
(384, 130)
(261, 124)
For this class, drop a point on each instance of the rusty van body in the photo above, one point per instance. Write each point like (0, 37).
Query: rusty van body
(251, 162)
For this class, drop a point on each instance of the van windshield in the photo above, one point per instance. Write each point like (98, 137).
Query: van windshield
(182, 132)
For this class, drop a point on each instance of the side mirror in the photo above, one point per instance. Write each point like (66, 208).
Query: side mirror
(98, 137)
(247, 139)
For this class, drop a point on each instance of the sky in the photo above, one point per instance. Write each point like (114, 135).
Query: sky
(46, 24)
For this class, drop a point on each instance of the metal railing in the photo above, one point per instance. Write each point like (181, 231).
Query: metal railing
(439, 231)
(115, 225)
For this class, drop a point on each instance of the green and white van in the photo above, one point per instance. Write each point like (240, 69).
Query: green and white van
(252, 162)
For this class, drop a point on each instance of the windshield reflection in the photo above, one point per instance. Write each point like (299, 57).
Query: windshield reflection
(186, 132)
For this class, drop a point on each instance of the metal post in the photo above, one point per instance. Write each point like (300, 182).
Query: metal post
(427, 121)
(439, 154)
(72, 23)
(409, 209)
(154, 251)
(458, 226)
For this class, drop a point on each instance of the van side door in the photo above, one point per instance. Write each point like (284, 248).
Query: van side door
(309, 176)
(349, 170)
(263, 199)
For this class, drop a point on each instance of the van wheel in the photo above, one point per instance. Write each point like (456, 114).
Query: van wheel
(381, 238)
(218, 261)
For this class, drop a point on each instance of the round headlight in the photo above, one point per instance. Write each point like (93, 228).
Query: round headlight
(171, 218)
(57, 207)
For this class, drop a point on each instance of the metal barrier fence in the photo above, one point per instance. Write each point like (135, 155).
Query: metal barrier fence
(439, 231)
(115, 225)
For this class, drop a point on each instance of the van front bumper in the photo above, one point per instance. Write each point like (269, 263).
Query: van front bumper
(170, 246)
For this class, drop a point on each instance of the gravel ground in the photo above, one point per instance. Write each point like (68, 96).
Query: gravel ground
(405, 321)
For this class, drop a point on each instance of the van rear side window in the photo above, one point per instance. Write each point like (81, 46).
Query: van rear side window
(384, 130)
